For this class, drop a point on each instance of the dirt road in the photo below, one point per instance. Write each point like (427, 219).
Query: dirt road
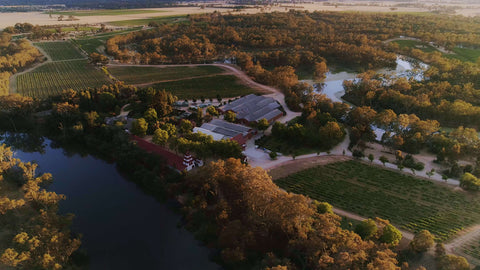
(273, 92)
(469, 235)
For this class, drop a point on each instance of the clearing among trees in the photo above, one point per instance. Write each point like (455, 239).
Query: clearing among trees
(412, 203)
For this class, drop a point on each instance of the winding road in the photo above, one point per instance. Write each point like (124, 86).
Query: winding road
(273, 92)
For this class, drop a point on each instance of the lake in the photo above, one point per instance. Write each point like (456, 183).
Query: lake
(122, 227)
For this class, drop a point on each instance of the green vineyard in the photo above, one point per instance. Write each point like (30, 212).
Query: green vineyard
(52, 78)
(413, 204)
(138, 75)
(60, 50)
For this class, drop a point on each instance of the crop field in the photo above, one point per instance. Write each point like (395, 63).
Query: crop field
(60, 50)
(139, 75)
(413, 204)
(208, 87)
(160, 19)
(52, 78)
(106, 12)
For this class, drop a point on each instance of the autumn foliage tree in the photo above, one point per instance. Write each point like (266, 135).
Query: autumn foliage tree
(254, 218)
(33, 236)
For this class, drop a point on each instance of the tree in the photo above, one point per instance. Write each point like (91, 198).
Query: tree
(383, 159)
(42, 237)
(430, 173)
(422, 241)
(262, 124)
(91, 118)
(371, 157)
(230, 116)
(366, 229)
(170, 129)
(324, 207)
(212, 111)
(320, 70)
(185, 126)
(439, 250)
(96, 58)
(449, 262)
(470, 182)
(139, 127)
(160, 137)
(273, 155)
(150, 115)
(390, 235)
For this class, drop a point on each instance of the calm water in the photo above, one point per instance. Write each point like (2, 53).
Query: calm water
(122, 227)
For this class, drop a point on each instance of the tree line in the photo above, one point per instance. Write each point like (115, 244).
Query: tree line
(14, 57)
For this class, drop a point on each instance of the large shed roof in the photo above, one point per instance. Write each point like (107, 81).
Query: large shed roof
(253, 108)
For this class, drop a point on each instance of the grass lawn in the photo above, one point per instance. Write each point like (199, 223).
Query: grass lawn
(52, 78)
(464, 54)
(413, 204)
(60, 50)
(286, 148)
(208, 87)
(105, 12)
(416, 45)
(138, 75)
(161, 19)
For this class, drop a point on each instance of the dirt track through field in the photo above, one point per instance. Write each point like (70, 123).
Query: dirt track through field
(466, 236)
(293, 166)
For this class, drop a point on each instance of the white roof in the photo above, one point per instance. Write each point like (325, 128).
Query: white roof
(216, 136)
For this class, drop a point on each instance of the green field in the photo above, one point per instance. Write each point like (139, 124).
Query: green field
(90, 44)
(464, 54)
(416, 45)
(60, 50)
(139, 75)
(208, 87)
(52, 78)
(413, 204)
(280, 146)
(105, 12)
(160, 20)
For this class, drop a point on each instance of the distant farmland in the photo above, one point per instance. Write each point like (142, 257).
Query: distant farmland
(106, 12)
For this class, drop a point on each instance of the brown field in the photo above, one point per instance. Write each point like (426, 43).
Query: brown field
(38, 18)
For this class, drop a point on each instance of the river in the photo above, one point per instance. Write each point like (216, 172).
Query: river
(122, 227)
(332, 86)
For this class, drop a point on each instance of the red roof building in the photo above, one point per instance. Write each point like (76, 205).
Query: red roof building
(173, 160)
